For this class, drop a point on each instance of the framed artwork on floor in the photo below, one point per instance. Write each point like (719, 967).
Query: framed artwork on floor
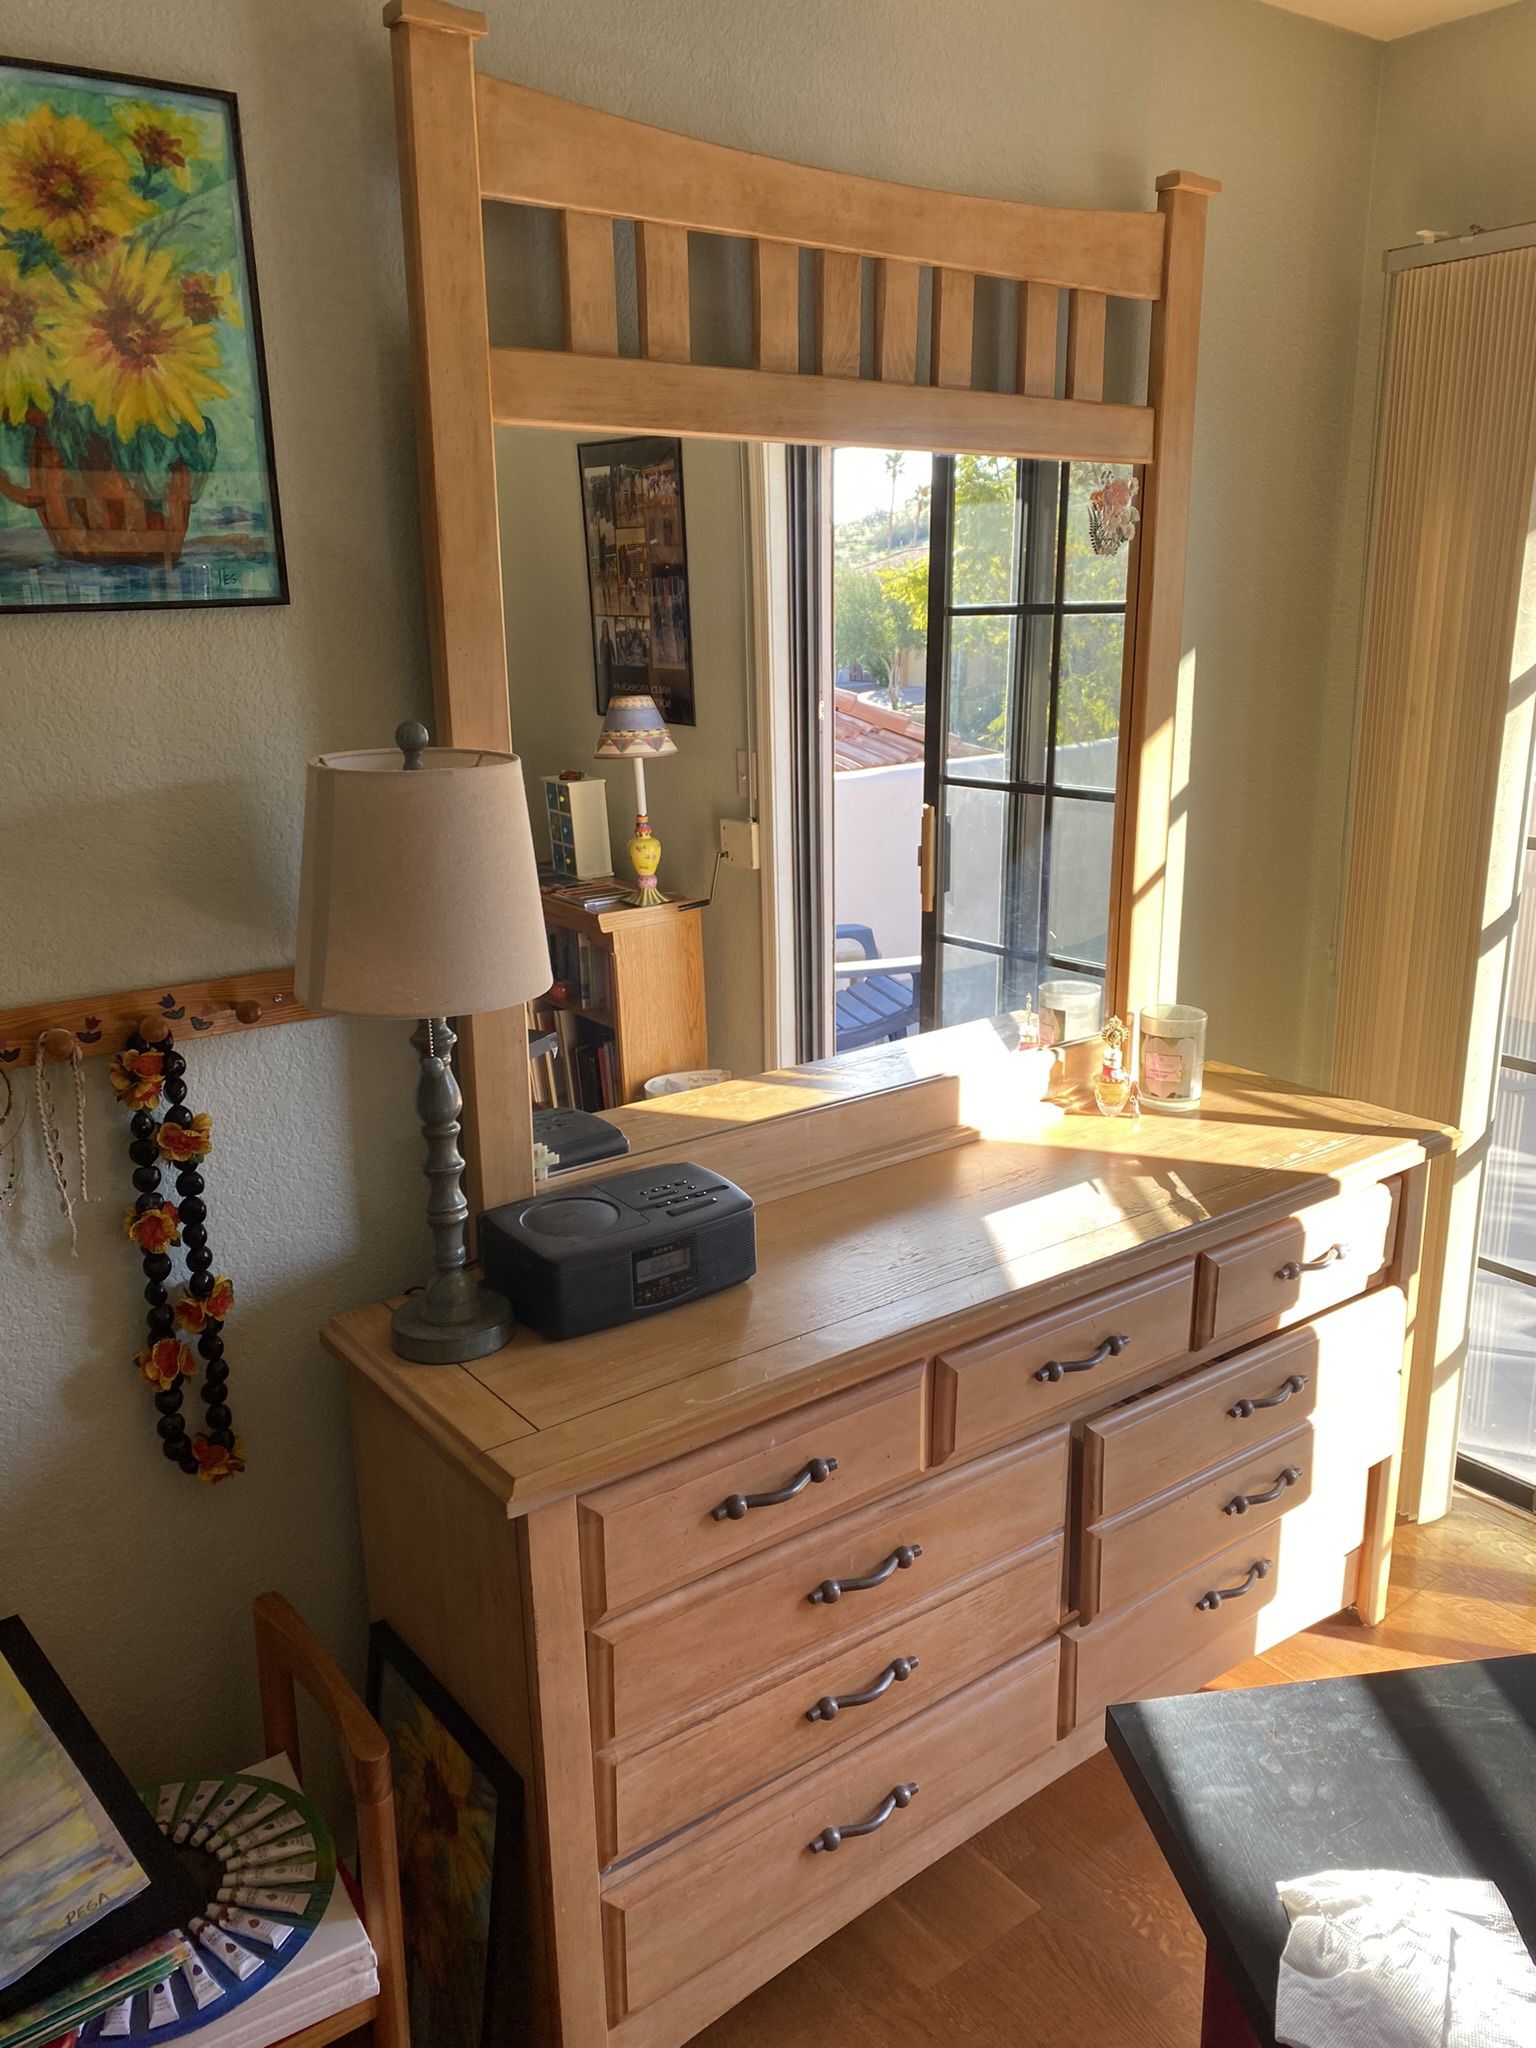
(459, 1822)
(135, 443)
(637, 571)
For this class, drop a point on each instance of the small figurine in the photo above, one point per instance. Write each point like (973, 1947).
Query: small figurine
(1113, 1087)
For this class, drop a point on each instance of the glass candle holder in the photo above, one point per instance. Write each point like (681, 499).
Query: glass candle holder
(1069, 1010)
(1171, 1061)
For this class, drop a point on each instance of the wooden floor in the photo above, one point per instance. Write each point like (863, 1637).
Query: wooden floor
(1059, 1926)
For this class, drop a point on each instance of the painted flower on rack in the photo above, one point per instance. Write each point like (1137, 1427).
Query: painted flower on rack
(195, 1316)
(166, 142)
(184, 1144)
(165, 1362)
(31, 307)
(217, 1461)
(137, 1077)
(153, 1230)
(206, 298)
(136, 360)
(64, 187)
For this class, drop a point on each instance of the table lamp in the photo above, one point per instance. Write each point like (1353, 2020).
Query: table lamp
(419, 898)
(633, 728)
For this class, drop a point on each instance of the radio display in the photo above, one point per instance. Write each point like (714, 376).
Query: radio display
(672, 1258)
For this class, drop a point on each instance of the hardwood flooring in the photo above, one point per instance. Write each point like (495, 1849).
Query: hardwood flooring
(1059, 1926)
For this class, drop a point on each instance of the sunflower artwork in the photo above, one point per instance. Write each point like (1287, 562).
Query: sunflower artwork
(135, 456)
(458, 1820)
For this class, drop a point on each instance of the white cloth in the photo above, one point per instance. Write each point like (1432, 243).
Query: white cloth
(1391, 1959)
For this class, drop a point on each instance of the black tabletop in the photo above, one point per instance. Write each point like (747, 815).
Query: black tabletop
(1431, 1771)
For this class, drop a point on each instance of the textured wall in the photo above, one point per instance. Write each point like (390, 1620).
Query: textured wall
(175, 741)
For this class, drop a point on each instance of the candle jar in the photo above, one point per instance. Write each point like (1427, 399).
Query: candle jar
(1172, 1056)
(1069, 1010)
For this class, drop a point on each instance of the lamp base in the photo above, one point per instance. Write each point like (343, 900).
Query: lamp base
(644, 852)
(415, 1335)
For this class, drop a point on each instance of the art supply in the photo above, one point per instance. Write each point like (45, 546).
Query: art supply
(239, 1792)
(165, 1805)
(1172, 1065)
(271, 1933)
(263, 1901)
(285, 1873)
(234, 1830)
(203, 1985)
(162, 2006)
(229, 1952)
(281, 1850)
(117, 2021)
(202, 1798)
(269, 1830)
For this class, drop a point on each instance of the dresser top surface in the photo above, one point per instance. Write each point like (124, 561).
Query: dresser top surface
(894, 1263)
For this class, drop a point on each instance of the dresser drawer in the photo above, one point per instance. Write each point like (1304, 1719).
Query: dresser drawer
(881, 1679)
(688, 1908)
(1271, 1583)
(661, 1661)
(686, 1518)
(1006, 1385)
(1349, 1359)
(1297, 1268)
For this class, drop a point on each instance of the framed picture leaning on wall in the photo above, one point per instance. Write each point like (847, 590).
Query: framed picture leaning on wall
(135, 445)
(637, 571)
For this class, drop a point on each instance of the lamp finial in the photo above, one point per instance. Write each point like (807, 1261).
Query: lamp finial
(412, 738)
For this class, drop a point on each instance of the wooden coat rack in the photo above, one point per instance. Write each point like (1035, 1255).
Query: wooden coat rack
(98, 1025)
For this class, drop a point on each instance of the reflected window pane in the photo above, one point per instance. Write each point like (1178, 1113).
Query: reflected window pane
(970, 985)
(980, 670)
(985, 538)
(1082, 836)
(1509, 1200)
(1090, 577)
(1498, 1418)
(1520, 1019)
(973, 851)
(1088, 700)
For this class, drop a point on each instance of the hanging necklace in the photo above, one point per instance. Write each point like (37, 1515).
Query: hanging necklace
(143, 1075)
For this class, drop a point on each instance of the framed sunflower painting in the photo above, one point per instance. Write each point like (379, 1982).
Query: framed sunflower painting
(135, 451)
(459, 1822)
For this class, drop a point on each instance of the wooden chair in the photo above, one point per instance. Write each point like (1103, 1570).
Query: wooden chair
(287, 1654)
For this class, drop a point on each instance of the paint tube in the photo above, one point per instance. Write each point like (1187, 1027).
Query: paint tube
(280, 1851)
(230, 1953)
(118, 2021)
(165, 1806)
(233, 1799)
(203, 1985)
(196, 1807)
(262, 1901)
(162, 2005)
(273, 1933)
(282, 1874)
(279, 1824)
(232, 1830)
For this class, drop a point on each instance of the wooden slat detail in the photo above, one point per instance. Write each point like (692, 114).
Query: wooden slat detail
(1142, 821)
(1039, 317)
(661, 285)
(588, 282)
(776, 306)
(541, 388)
(1441, 764)
(539, 151)
(1085, 345)
(445, 290)
(954, 327)
(838, 306)
(896, 299)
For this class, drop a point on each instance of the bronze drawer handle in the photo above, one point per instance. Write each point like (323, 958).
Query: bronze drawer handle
(1294, 1268)
(1209, 1602)
(831, 1838)
(1240, 1503)
(830, 1591)
(811, 1473)
(1056, 1368)
(829, 1707)
(1241, 1410)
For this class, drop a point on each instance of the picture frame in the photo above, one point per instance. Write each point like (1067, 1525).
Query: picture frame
(637, 571)
(143, 477)
(459, 1821)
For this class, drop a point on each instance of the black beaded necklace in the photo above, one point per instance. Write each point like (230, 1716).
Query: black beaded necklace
(142, 1075)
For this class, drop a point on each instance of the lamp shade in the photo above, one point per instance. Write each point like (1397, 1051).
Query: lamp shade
(419, 895)
(632, 725)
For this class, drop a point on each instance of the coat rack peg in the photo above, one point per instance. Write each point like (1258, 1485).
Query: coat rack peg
(57, 1044)
(155, 1029)
(248, 1012)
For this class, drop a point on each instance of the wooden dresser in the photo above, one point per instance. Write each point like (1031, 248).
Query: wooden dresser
(780, 1596)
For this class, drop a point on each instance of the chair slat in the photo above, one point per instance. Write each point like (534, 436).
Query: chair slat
(954, 319)
(587, 274)
(1085, 345)
(896, 293)
(1039, 313)
(838, 312)
(776, 306)
(661, 284)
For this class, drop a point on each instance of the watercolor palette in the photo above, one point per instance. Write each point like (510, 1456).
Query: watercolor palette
(266, 1865)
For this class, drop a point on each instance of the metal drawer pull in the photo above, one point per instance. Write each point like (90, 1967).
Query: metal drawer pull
(1294, 1268)
(811, 1473)
(830, 1838)
(831, 1706)
(1241, 1410)
(1056, 1368)
(1240, 1503)
(830, 1591)
(1209, 1602)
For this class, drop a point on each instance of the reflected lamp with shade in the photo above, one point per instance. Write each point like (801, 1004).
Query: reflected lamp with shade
(419, 898)
(633, 729)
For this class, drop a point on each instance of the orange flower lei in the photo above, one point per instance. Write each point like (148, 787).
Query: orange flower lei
(143, 1076)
